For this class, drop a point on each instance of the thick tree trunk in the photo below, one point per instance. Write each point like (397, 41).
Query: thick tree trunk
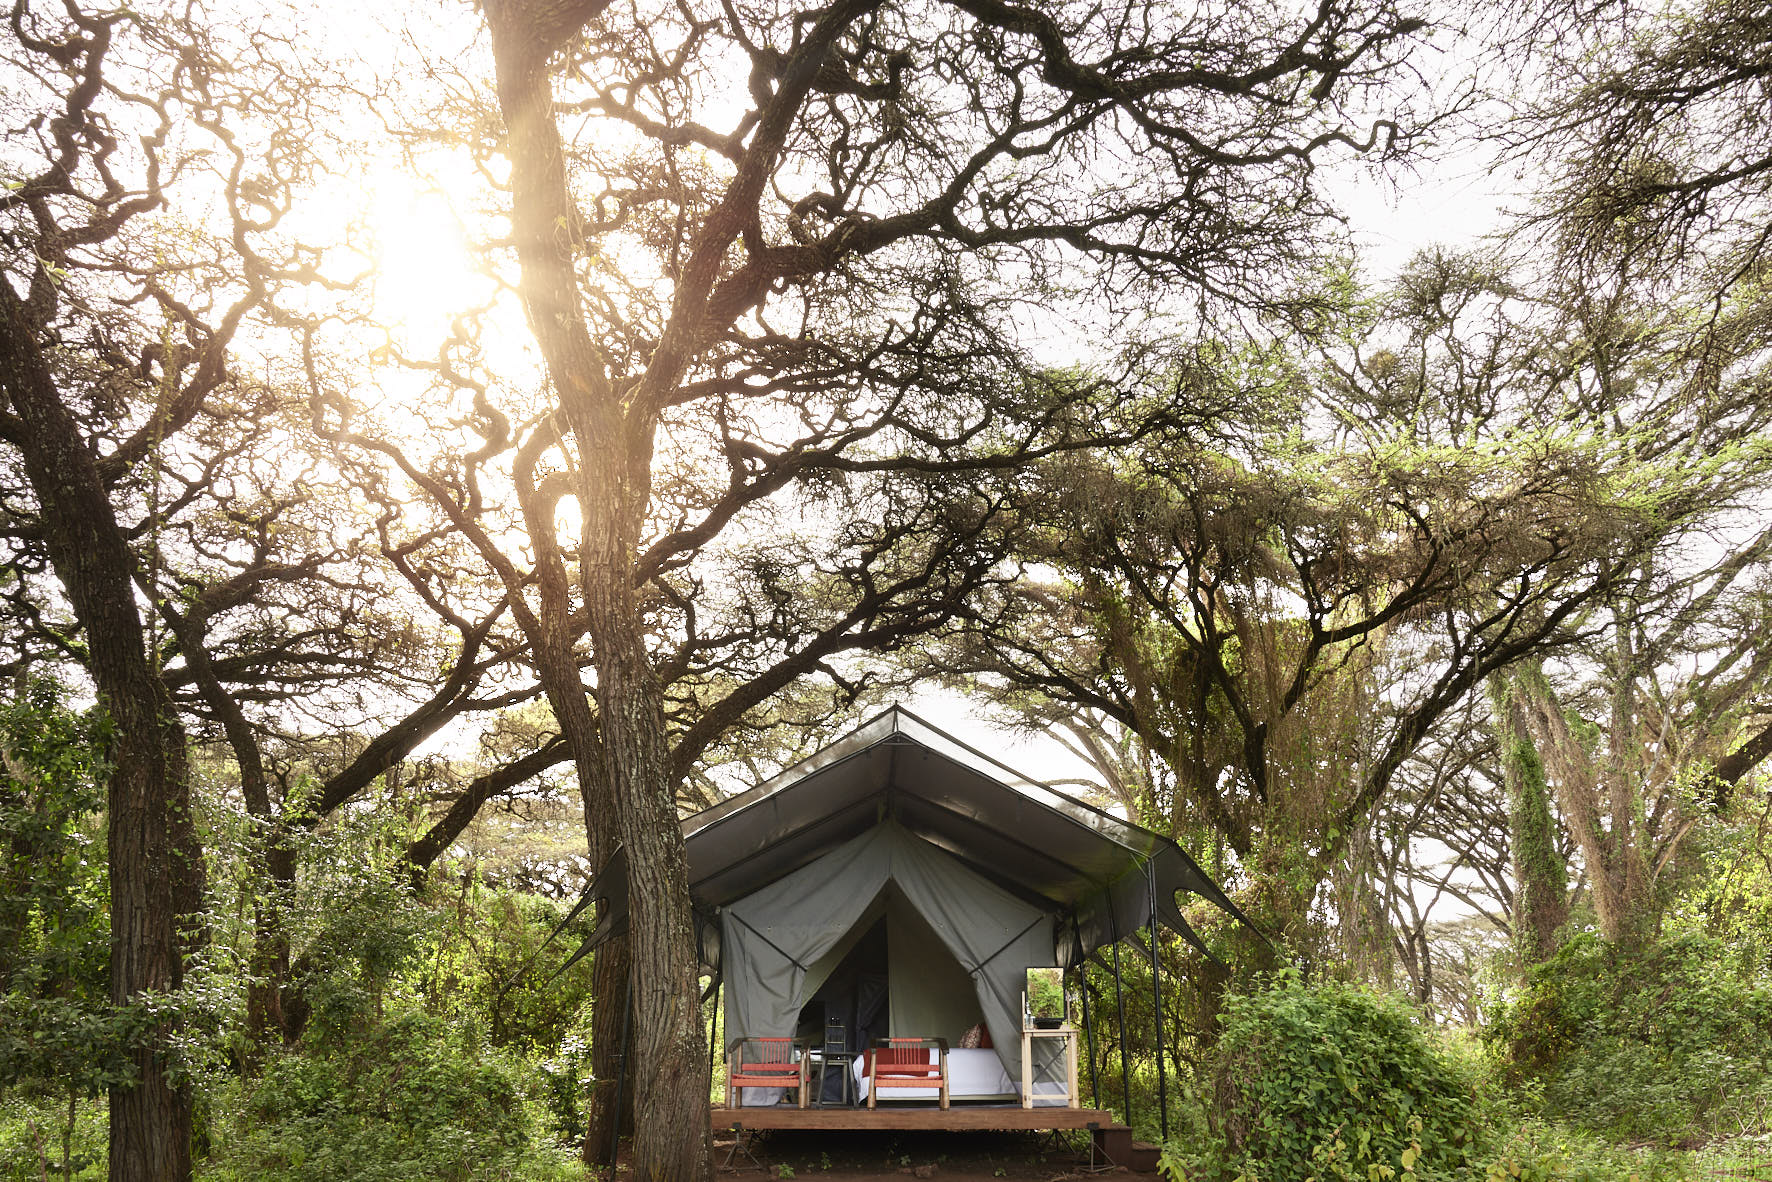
(671, 1140)
(670, 1100)
(156, 867)
(603, 1123)
(1617, 866)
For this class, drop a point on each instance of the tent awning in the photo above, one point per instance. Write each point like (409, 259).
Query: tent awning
(1051, 850)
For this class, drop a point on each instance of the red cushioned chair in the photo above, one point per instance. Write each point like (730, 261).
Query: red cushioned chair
(905, 1063)
(766, 1063)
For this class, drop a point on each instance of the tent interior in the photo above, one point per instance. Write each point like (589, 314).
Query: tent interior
(861, 984)
(954, 947)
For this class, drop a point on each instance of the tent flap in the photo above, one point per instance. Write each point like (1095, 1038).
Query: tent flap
(769, 936)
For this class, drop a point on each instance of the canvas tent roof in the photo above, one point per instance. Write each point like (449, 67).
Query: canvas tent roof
(1065, 857)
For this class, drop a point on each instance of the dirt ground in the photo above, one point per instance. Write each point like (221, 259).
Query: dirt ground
(849, 1156)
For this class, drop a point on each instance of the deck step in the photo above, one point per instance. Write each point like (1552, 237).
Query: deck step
(1144, 1158)
(1114, 1142)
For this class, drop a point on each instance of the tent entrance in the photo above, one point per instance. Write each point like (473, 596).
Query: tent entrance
(890, 974)
(957, 945)
(854, 988)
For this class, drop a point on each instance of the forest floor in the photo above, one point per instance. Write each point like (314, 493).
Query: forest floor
(907, 1156)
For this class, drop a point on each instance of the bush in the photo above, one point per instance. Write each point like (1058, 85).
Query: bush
(1334, 1082)
(1670, 1044)
(1537, 1152)
(38, 1140)
(401, 1101)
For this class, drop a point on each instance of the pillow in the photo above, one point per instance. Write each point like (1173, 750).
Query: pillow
(984, 1038)
(976, 1037)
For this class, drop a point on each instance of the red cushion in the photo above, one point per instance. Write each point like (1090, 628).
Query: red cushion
(897, 1057)
(984, 1040)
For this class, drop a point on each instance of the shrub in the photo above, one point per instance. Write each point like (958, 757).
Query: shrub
(401, 1101)
(45, 1137)
(1537, 1152)
(1332, 1081)
(1669, 1044)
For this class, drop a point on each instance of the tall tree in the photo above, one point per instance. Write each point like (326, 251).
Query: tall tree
(1625, 739)
(164, 533)
(776, 261)
(1285, 613)
(1646, 123)
(115, 329)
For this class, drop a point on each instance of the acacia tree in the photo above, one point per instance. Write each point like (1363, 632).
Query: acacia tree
(163, 532)
(117, 327)
(776, 261)
(1646, 123)
(1285, 618)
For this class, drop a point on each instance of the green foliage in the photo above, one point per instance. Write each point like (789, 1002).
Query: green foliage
(485, 972)
(1668, 1044)
(57, 1026)
(398, 1076)
(1538, 1152)
(1333, 1082)
(400, 1100)
(1046, 993)
(45, 1135)
(356, 924)
(486, 969)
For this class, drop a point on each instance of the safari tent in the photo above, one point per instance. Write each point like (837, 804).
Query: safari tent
(902, 883)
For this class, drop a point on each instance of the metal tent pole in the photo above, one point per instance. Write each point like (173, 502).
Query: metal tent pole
(1088, 1030)
(1157, 1017)
(621, 1070)
(1120, 1008)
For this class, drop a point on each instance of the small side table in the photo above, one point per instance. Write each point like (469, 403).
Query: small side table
(823, 1061)
(1028, 1035)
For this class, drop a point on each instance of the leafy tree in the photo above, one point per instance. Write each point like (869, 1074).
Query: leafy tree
(775, 287)
(116, 336)
(1285, 613)
(1333, 1082)
(1624, 744)
(164, 535)
(1647, 122)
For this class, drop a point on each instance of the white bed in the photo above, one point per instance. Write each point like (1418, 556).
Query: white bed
(972, 1075)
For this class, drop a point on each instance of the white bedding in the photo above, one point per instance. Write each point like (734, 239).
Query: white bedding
(972, 1075)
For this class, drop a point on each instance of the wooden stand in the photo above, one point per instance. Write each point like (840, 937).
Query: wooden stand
(1028, 1035)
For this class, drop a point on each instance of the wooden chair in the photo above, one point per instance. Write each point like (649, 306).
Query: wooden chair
(905, 1063)
(765, 1063)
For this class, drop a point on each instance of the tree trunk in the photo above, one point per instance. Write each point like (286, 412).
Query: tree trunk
(603, 1123)
(265, 1012)
(1617, 867)
(671, 1138)
(156, 866)
(670, 1099)
(1541, 886)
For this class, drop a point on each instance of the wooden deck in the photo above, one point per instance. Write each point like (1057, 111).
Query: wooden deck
(959, 1118)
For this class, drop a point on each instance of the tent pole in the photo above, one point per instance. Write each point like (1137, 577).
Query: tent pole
(1088, 1030)
(1157, 1017)
(713, 1033)
(1120, 1007)
(621, 1071)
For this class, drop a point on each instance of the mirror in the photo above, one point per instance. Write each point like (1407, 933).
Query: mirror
(1045, 998)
